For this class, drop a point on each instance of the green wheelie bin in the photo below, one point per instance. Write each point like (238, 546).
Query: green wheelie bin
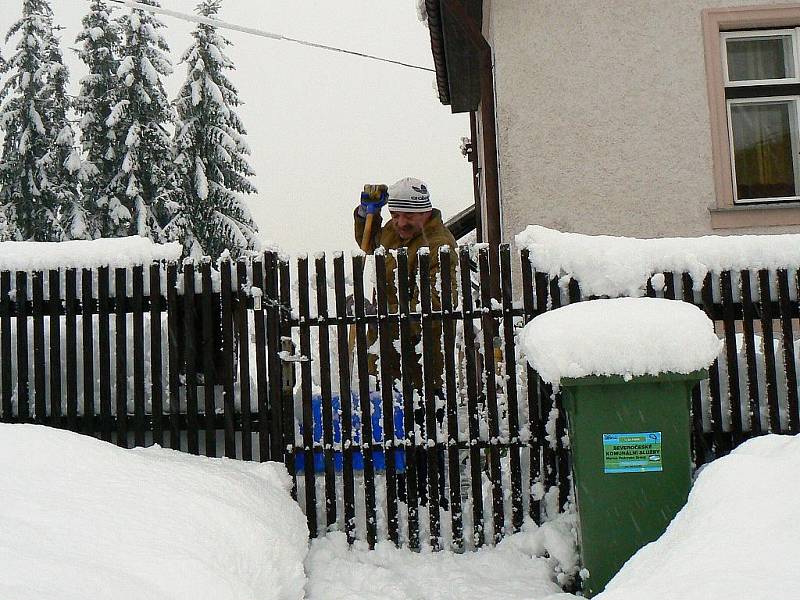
(631, 462)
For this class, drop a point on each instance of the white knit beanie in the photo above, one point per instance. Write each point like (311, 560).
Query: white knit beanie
(409, 195)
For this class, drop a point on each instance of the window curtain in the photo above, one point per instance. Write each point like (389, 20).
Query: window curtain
(763, 154)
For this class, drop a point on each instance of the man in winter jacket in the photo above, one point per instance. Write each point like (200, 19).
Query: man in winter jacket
(414, 224)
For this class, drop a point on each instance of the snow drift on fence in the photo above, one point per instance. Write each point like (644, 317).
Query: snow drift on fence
(620, 336)
(81, 518)
(735, 538)
(78, 254)
(618, 266)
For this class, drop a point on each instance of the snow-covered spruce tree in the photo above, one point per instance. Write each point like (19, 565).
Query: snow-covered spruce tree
(39, 165)
(141, 115)
(211, 169)
(102, 144)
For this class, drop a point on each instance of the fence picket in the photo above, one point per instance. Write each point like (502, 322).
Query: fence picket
(451, 399)
(261, 358)
(243, 334)
(698, 439)
(39, 409)
(749, 314)
(156, 359)
(713, 374)
(305, 394)
(56, 302)
(190, 353)
(365, 403)
(488, 326)
(729, 322)
(138, 356)
(174, 336)
(767, 338)
(326, 395)
(104, 352)
(533, 388)
(346, 418)
(787, 338)
(208, 321)
(470, 351)
(87, 346)
(23, 393)
(121, 353)
(5, 345)
(227, 326)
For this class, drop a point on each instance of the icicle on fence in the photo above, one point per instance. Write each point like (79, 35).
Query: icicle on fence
(291, 360)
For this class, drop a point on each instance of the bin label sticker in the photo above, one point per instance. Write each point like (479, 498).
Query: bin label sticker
(632, 452)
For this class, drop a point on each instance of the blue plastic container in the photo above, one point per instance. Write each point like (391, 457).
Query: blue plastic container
(378, 456)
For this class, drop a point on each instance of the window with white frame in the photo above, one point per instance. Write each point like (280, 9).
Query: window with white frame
(761, 72)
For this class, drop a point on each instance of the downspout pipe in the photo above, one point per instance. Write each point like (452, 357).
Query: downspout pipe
(488, 127)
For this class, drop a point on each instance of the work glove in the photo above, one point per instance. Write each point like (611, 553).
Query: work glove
(373, 198)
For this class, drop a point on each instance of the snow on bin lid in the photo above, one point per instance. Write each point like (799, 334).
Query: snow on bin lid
(108, 252)
(621, 336)
(607, 265)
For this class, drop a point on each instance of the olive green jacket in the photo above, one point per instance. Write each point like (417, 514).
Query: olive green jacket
(434, 236)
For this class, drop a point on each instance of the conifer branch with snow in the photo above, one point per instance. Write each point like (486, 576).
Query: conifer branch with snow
(211, 166)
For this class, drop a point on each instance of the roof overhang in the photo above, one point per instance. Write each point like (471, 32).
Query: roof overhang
(455, 58)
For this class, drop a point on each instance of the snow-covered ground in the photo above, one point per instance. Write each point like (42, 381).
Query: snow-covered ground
(83, 519)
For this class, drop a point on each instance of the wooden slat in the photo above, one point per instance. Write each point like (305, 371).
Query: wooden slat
(476, 488)
(305, 395)
(562, 455)
(138, 355)
(5, 346)
(23, 392)
(282, 410)
(323, 338)
(208, 319)
(748, 318)
(549, 476)
(56, 307)
(71, 346)
(39, 391)
(174, 337)
(729, 321)
(717, 418)
(698, 439)
(451, 398)
(156, 355)
(533, 387)
(407, 362)
(509, 350)
(87, 345)
(767, 336)
(121, 353)
(261, 359)
(243, 333)
(191, 347)
(490, 383)
(346, 419)
(104, 352)
(226, 312)
(432, 450)
(365, 402)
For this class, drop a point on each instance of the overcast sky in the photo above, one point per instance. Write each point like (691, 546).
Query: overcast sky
(321, 124)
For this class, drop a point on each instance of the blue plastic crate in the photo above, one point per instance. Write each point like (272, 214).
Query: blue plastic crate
(378, 456)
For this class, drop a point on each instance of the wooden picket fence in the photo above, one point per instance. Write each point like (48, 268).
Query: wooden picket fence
(251, 360)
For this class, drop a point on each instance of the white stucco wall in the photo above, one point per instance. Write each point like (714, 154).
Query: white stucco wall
(602, 115)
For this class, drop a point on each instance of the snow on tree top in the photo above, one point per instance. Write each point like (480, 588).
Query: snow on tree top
(620, 336)
(619, 266)
(111, 252)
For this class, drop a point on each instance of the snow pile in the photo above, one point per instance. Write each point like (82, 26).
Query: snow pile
(621, 336)
(737, 537)
(109, 252)
(84, 519)
(618, 266)
(513, 570)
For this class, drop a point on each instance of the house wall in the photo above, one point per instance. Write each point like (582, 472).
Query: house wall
(602, 116)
